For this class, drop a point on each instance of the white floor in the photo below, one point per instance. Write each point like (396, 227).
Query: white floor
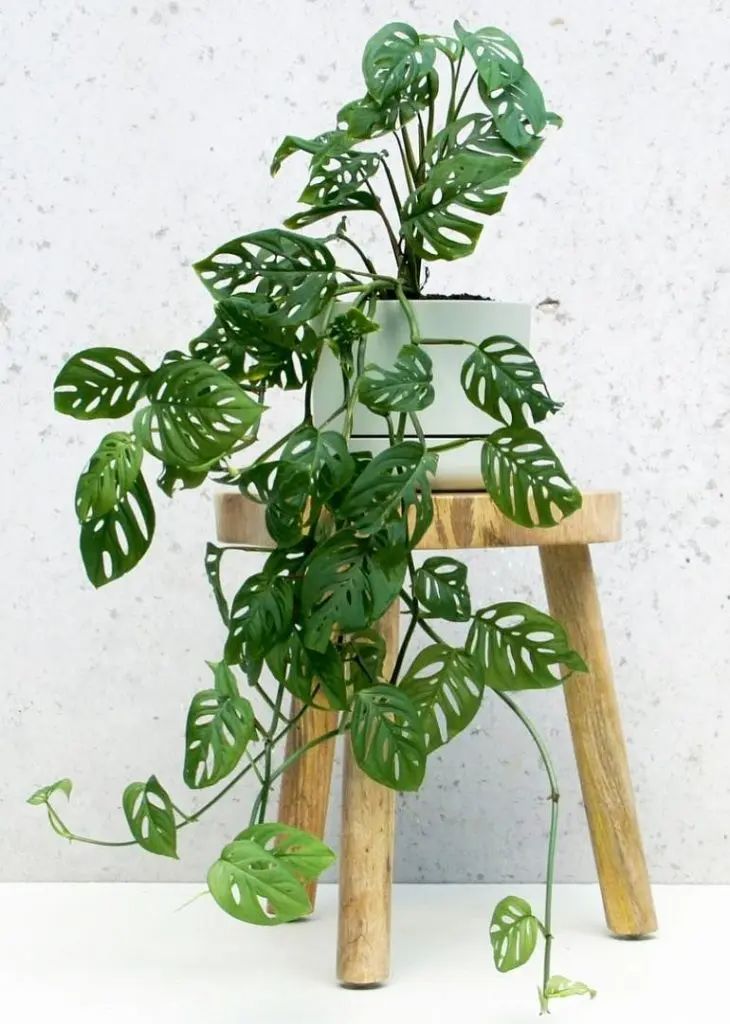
(127, 952)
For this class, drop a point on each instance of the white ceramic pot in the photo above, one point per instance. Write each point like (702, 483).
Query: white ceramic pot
(451, 415)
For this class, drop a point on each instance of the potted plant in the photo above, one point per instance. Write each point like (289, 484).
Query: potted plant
(398, 390)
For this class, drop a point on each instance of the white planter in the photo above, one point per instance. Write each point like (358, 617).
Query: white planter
(451, 415)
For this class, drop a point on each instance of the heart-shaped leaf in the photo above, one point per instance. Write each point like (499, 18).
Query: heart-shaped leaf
(219, 727)
(196, 414)
(497, 57)
(261, 615)
(305, 855)
(513, 931)
(407, 386)
(112, 471)
(521, 648)
(395, 58)
(518, 110)
(113, 544)
(253, 885)
(100, 383)
(525, 478)
(446, 687)
(441, 589)
(44, 794)
(559, 987)
(387, 737)
(502, 378)
(150, 816)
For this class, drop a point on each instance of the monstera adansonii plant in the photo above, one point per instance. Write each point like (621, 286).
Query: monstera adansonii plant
(444, 126)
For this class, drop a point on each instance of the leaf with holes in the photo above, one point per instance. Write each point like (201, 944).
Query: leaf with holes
(301, 670)
(364, 655)
(520, 647)
(336, 177)
(446, 687)
(501, 378)
(100, 383)
(405, 387)
(220, 725)
(433, 223)
(447, 45)
(44, 794)
(111, 472)
(474, 135)
(253, 885)
(513, 932)
(305, 855)
(327, 142)
(196, 414)
(559, 987)
(441, 589)
(150, 816)
(387, 737)
(294, 274)
(399, 474)
(113, 544)
(518, 110)
(173, 479)
(497, 57)
(395, 59)
(322, 455)
(368, 119)
(213, 556)
(349, 583)
(525, 478)
(261, 615)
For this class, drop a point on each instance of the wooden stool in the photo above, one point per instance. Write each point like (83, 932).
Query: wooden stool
(471, 520)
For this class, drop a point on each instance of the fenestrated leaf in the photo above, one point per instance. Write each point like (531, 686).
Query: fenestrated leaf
(521, 648)
(518, 110)
(497, 57)
(407, 386)
(301, 670)
(261, 616)
(387, 737)
(364, 654)
(513, 932)
(113, 544)
(474, 135)
(112, 471)
(305, 855)
(525, 478)
(150, 816)
(368, 119)
(255, 481)
(213, 556)
(399, 474)
(220, 725)
(100, 383)
(335, 177)
(294, 274)
(446, 687)
(174, 478)
(44, 794)
(196, 414)
(349, 583)
(559, 987)
(253, 885)
(327, 142)
(441, 589)
(502, 378)
(447, 45)
(395, 58)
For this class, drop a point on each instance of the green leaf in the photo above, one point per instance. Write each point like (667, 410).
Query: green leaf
(518, 110)
(521, 648)
(111, 472)
(399, 474)
(301, 670)
(254, 885)
(406, 387)
(261, 616)
(173, 479)
(368, 119)
(513, 932)
(327, 142)
(395, 59)
(100, 383)
(113, 544)
(446, 687)
(497, 57)
(349, 583)
(344, 332)
(447, 45)
(220, 725)
(305, 855)
(441, 589)
(525, 478)
(44, 794)
(335, 177)
(150, 816)
(501, 378)
(559, 987)
(474, 135)
(294, 274)
(213, 556)
(364, 654)
(196, 414)
(387, 737)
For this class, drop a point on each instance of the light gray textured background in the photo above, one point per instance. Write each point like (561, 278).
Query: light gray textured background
(136, 137)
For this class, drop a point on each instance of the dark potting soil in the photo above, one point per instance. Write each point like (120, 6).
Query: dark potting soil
(457, 296)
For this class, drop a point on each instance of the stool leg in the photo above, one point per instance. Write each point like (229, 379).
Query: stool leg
(600, 751)
(366, 858)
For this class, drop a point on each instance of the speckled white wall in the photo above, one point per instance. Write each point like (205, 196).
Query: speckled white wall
(135, 137)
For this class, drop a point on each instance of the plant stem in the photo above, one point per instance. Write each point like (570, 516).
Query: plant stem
(392, 238)
(409, 314)
(262, 799)
(454, 80)
(393, 188)
(468, 86)
(366, 262)
(404, 647)
(410, 183)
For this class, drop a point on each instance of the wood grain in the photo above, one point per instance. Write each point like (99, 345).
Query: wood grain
(366, 858)
(600, 751)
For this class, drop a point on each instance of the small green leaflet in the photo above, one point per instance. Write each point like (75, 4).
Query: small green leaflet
(405, 387)
(387, 737)
(559, 987)
(100, 383)
(115, 542)
(446, 687)
(344, 331)
(112, 471)
(150, 816)
(44, 794)
(441, 589)
(219, 727)
(302, 670)
(513, 932)
(501, 378)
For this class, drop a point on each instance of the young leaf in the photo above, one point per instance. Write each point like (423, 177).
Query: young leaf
(261, 616)
(513, 932)
(151, 817)
(253, 885)
(113, 544)
(112, 471)
(441, 589)
(196, 414)
(343, 333)
(327, 142)
(172, 479)
(305, 855)
(301, 670)
(219, 727)
(364, 654)
(520, 648)
(44, 794)
(501, 378)
(387, 737)
(213, 556)
(395, 58)
(559, 987)
(525, 479)
(497, 57)
(446, 686)
(100, 383)
(406, 387)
